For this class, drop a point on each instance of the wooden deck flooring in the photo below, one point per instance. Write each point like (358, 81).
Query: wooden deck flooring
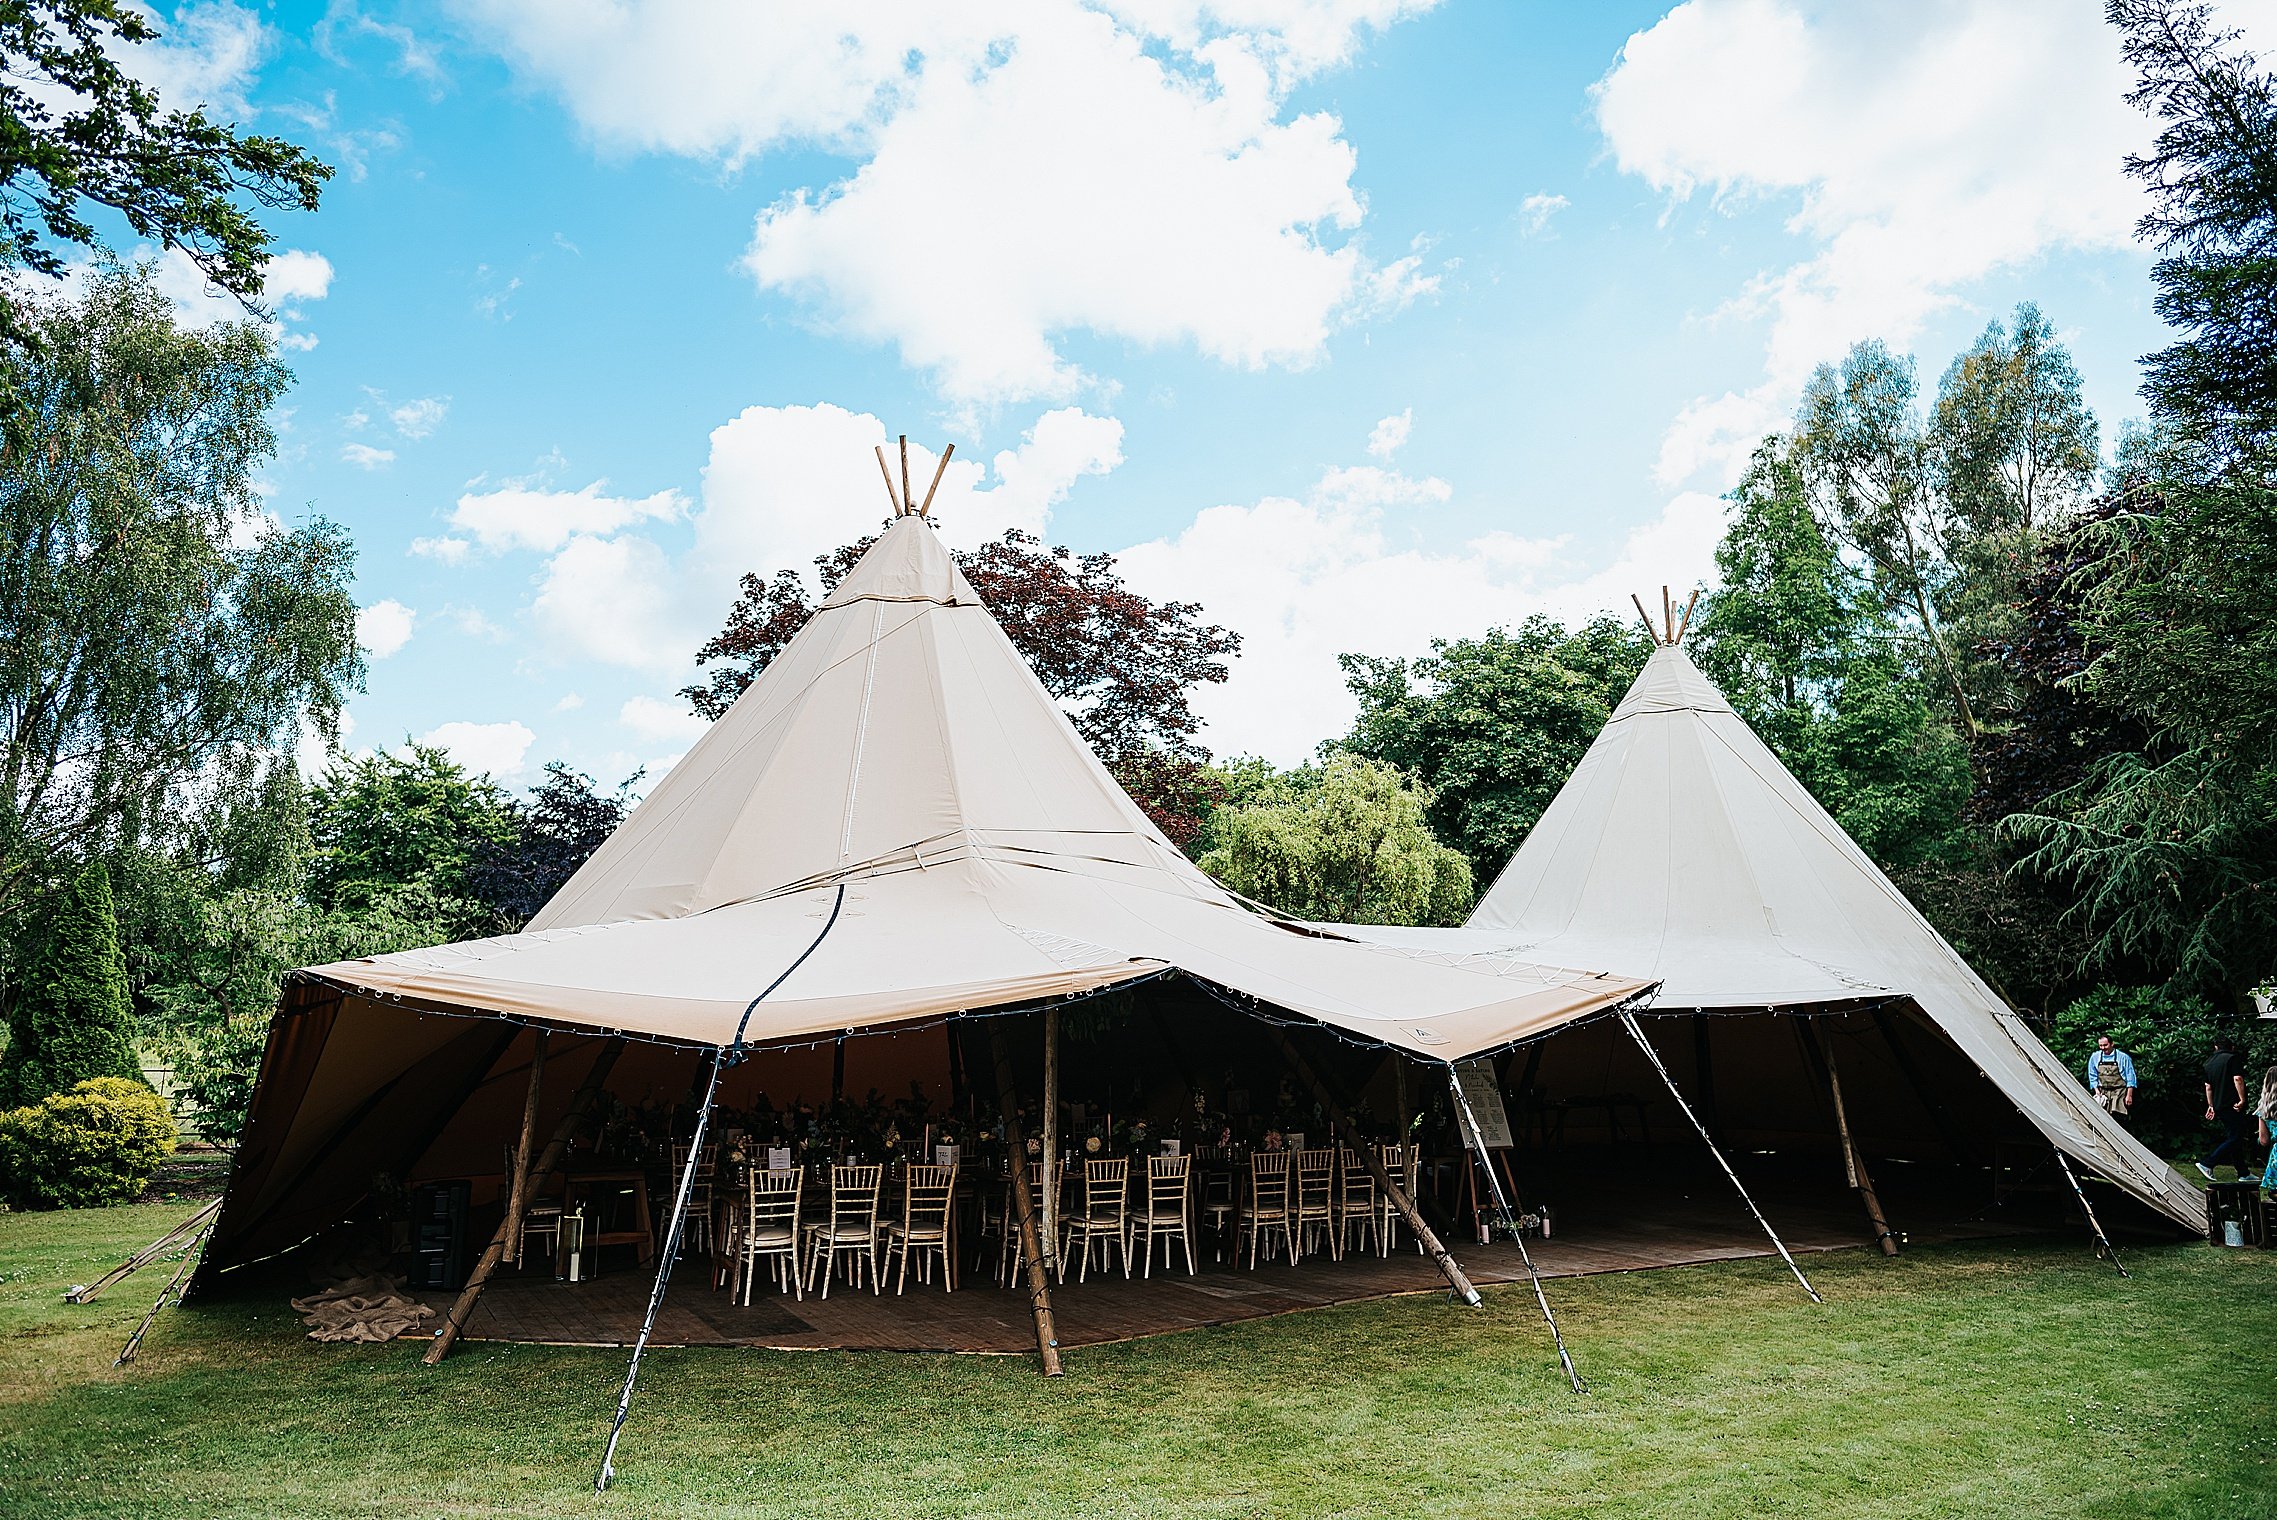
(1698, 1223)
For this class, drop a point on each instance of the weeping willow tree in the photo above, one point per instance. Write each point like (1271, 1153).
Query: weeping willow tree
(1345, 841)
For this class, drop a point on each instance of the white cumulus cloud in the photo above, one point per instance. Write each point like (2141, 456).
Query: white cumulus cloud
(365, 457)
(417, 419)
(531, 517)
(383, 628)
(654, 719)
(1535, 211)
(1305, 579)
(1389, 436)
(498, 750)
(1028, 170)
(1912, 149)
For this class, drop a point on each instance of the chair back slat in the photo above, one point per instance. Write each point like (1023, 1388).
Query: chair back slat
(1105, 1185)
(773, 1198)
(1166, 1181)
(1269, 1181)
(854, 1196)
(927, 1192)
(1316, 1172)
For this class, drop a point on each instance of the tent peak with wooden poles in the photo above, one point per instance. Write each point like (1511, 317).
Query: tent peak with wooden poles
(896, 779)
(1681, 851)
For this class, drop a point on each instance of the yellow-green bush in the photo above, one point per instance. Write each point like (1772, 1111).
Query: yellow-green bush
(95, 1144)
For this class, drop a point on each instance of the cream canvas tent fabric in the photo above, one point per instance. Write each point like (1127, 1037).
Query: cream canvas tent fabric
(1682, 852)
(900, 747)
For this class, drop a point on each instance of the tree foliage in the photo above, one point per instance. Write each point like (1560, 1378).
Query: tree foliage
(2212, 179)
(1122, 667)
(68, 1017)
(564, 821)
(79, 130)
(158, 632)
(410, 822)
(1344, 841)
(1493, 725)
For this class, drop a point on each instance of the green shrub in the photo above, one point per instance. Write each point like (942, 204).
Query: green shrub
(95, 1144)
(2170, 1038)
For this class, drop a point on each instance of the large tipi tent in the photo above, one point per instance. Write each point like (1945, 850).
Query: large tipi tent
(901, 749)
(1682, 852)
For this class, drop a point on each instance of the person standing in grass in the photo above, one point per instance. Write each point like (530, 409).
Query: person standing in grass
(2111, 1077)
(2226, 1104)
(2266, 1112)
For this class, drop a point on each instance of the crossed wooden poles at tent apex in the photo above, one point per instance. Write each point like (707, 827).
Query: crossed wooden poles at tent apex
(1672, 628)
(901, 498)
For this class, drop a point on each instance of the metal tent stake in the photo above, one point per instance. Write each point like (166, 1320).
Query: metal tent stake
(2088, 1209)
(1510, 1223)
(1653, 1056)
(721, 1057)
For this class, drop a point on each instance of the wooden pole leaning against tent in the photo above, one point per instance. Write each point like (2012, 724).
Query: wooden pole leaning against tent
(172, 1290)
(1349, 1134)
(1024, 1204)
(1629, 1019)
(580, 1104)
(518, 1195)
(1821, 1053)
(87, 1292)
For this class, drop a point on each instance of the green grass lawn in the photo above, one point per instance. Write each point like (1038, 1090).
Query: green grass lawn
(1992, 1379)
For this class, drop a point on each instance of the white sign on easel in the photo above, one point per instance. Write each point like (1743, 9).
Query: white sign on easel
(1484, 1095)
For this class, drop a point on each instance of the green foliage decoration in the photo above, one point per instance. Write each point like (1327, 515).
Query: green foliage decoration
(96, 1144)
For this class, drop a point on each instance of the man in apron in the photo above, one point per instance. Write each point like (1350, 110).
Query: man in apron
(2111, 1077)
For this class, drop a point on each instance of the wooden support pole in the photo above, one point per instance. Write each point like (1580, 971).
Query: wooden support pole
(518, 1194)
(173, 1290)
(907, 504)
(1024, 1204)
(1350, 1135)
(1853, 1160)
(1643, 616)
(1653, 1056)
(87, 1292)
(1667, 618)
(887, 471)
(1051, 1140)
(926, 510)
(580, 1104)
(1684, 623)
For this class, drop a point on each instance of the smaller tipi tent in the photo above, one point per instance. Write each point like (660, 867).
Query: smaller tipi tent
(1681, 851)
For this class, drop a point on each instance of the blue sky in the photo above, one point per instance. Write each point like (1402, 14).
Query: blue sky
(1359, 321)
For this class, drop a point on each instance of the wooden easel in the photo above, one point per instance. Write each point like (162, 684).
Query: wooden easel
(1483, 1089)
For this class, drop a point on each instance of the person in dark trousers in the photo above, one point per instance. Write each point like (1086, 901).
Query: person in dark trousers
(2227, 1105)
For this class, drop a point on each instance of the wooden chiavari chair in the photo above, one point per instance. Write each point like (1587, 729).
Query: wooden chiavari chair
(852, 1231)
(926, 1226)
(1104, 1219)
(1268, 1206)
(1166, 1215)
(769, 1230)
(1313, 1213)
(1355, 1201)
